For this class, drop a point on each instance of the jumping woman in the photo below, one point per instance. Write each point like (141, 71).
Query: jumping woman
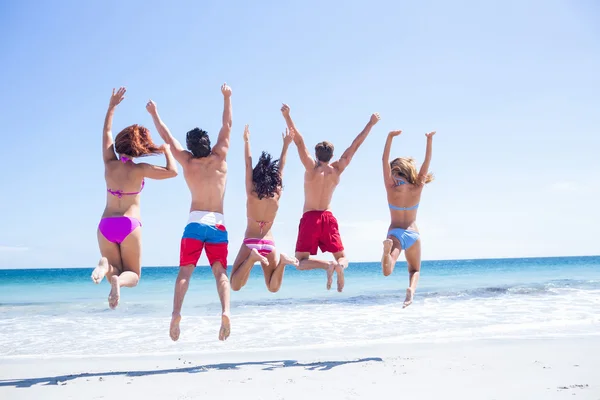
(119, 231)
(404, 187)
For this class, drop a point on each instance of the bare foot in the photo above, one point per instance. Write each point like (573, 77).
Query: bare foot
(255, 255)
(225, 327)
(339, 269)
(174, 330)
(100, 271)
(387, 248)
(287, 260)
(115, 292)
(330, 270)
(409, 298)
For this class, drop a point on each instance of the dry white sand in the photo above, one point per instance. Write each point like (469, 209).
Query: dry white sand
(567, 368)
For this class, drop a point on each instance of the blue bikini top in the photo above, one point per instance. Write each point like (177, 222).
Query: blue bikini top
(400, 181)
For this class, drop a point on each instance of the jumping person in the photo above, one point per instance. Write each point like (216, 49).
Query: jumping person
(205, 171)
(404, 187)
(119, 231)
(318, 227)
(264, 184)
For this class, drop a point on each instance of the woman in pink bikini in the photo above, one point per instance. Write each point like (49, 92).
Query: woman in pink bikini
(119, 231)
(263, 188)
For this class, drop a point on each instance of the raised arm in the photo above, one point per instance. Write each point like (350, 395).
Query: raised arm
(248, 159)
(288, 137)
(424, 171)
(108, 152)
(387, 169)
(222, 146)
(307, 160)
(156, 172)
(350, 151)
(178, 151)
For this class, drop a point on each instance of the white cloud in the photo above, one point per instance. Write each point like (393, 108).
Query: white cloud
(6, 249)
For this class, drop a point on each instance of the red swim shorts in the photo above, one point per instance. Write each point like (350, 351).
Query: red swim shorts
(198, 236)
(319, 230)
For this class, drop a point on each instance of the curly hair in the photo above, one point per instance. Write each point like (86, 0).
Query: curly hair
(266, 177)
(135, 141)
(198, 143)
(406, 168)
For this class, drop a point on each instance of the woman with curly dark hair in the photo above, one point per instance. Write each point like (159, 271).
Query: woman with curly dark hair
(119, 230)
(263, 188)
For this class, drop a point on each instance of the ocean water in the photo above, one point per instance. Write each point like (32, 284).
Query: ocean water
(62, 313)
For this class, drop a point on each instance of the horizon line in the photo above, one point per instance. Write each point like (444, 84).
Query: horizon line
(354, 262)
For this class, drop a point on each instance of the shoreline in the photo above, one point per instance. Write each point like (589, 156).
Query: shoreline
(395, 341)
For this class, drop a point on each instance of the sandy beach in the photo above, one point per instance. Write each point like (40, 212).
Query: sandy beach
(491, 369)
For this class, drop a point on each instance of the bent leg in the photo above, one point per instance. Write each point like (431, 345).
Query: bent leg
(391, 252)
(306, 263)
(110, 262)
(223, 289)
(242, 266)
(275, 269)
(413, 258)
(181, 286)
(131, 256)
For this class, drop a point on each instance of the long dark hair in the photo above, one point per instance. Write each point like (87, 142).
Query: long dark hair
(266, 176)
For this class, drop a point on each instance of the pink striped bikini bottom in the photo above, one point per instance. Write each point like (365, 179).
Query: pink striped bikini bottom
(263, 246)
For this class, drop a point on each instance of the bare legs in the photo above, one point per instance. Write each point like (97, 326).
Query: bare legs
(242, 266)
(391, 252)
(121, 264)
(224, 292)
(273, 268)
(413, 258)
(338, 266)
(181, 287)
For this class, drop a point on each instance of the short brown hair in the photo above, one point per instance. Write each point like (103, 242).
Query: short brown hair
(324, 151)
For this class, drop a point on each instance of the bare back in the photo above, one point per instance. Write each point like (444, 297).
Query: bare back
(404, 196)
(127, 178)
(261, 213)
(206, 178)
(319, 185)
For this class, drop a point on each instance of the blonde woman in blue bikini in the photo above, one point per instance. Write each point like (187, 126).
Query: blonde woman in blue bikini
(404, 187)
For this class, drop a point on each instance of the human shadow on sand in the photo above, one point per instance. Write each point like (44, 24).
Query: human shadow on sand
(268, 366)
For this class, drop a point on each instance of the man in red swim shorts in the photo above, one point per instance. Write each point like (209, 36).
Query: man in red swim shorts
(205, 171)
(318, 227)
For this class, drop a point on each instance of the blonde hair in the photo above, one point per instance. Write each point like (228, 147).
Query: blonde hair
(405, 167)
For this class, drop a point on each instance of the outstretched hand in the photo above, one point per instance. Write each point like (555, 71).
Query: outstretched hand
(375, 118)
(285, 110)
(395, 133)
(151, 107)
(226, 90)
(165, 148)
(430, 135)
(246, 133)
(118, 97)
(288, 136)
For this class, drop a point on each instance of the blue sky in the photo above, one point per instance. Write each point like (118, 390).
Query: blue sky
(511, 87)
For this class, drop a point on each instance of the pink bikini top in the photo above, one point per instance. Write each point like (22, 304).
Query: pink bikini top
(120, 193)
